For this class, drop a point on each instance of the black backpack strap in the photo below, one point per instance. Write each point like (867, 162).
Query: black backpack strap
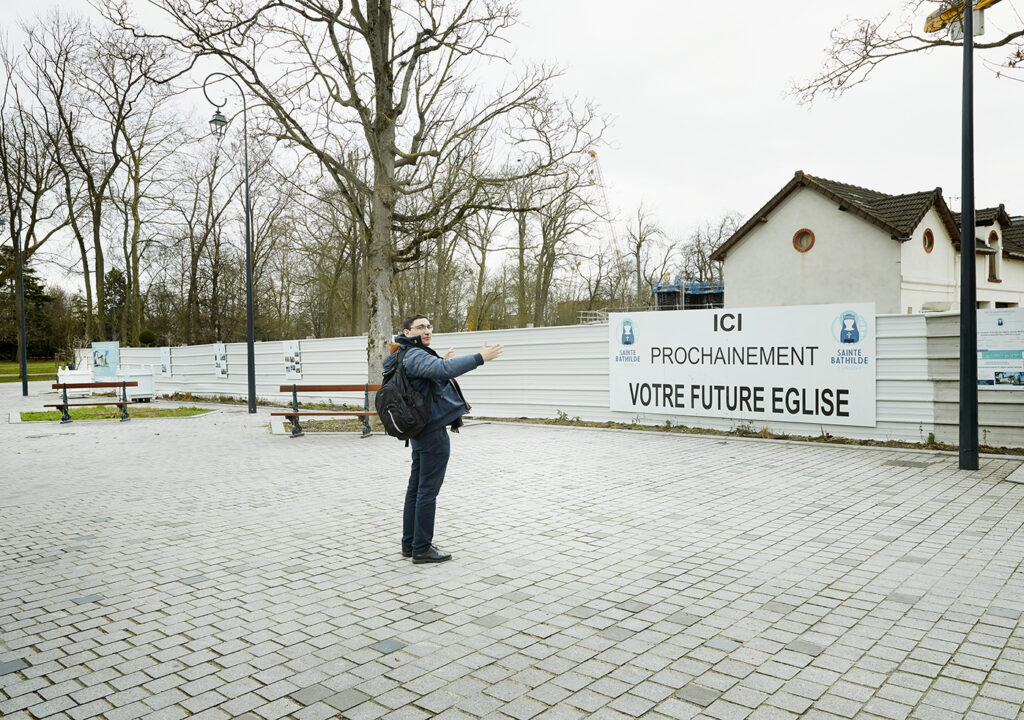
(400, 365)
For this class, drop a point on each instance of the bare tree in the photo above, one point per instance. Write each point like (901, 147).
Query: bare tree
(860, 45)
(150, 140)
(90, 85)
(701, 245)
(392, 81)
(196, 215)
(642, 233)
(596, 278)
(569, 213)
(520, 191)
(30, 203)
(478, 239)
(328, 251)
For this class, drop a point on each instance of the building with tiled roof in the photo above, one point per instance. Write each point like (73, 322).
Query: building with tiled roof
(821, 241)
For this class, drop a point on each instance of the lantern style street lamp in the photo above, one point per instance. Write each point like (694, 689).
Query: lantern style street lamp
(217, 125)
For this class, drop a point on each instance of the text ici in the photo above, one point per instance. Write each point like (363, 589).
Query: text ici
(728, 322)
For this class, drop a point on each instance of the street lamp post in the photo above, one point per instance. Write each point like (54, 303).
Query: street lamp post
(217, 124)
(23, 358)
(968, 251)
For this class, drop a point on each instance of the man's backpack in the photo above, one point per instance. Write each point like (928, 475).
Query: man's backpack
(403, 411)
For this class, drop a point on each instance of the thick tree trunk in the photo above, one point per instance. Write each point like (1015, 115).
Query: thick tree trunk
(380, 267)
(379, 288)
(380, 135)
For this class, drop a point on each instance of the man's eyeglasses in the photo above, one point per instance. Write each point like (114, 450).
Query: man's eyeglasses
(422, 327)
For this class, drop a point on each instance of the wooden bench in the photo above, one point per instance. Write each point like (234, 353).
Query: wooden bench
(63, 406)
(294, 414)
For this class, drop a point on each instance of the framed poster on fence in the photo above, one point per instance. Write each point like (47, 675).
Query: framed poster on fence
(106, 357)
(292, 360)
(220, 360)
(165, 361)
(1001, 349)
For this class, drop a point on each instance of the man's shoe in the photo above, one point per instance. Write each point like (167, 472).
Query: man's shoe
(433, 555)
(406, 551)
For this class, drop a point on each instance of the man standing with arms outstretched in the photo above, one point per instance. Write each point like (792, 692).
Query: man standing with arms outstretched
(434, 378)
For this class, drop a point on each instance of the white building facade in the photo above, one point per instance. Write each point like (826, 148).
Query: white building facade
(818, 241)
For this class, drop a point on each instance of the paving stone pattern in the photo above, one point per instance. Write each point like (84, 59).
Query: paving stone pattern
(203, 568)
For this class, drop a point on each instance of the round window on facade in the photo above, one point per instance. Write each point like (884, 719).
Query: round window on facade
(929, 240)
(803, 240)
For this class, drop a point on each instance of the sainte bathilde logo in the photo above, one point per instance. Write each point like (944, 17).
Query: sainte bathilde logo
(628, 336)
(849, 328)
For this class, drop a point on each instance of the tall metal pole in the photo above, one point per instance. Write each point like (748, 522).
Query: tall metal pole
(21, 312)
(968, 282)
(250, 333)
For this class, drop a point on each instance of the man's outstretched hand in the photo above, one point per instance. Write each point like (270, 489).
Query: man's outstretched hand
(491, 352)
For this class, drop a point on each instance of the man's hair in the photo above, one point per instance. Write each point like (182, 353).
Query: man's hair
(407, 325)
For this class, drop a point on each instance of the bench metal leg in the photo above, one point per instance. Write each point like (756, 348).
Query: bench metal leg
(124, 398)
(65, 416)
(294, 419)
(366, 407)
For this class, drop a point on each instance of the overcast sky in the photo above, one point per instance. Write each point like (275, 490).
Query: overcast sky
(703, 125)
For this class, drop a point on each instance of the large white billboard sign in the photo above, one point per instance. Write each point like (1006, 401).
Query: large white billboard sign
(811, 364)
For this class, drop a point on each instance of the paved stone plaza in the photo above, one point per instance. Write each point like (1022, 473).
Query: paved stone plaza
(204, 568)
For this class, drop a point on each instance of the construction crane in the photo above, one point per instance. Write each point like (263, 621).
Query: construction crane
(598, 176)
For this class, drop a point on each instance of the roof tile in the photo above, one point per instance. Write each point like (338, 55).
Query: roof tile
(902, 212)
(1013, 240)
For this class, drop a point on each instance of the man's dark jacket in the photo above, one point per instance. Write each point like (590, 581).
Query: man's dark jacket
(428, 373)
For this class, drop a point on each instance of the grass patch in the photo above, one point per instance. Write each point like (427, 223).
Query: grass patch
(339, 425)
(31, 378)
(228, 400)
(748, 431)
(111, 412)
(219, 399)
(37, 370)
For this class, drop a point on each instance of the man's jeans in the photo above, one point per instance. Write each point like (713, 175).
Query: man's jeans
(430, 451)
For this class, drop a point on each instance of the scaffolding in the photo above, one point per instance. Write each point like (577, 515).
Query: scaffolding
(682, 294)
